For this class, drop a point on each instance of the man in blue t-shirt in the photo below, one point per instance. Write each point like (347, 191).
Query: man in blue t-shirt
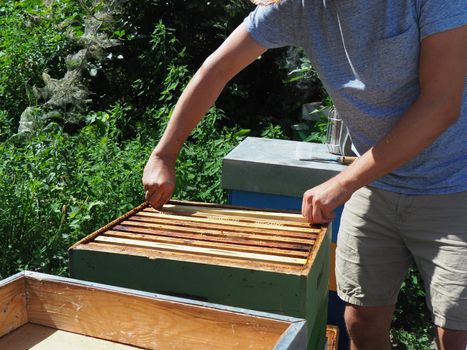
(396, 72)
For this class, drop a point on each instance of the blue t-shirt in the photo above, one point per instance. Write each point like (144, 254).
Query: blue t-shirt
(367, 53)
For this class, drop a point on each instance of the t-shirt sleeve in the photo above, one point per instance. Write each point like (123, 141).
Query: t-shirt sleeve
(439, 15)
(275, 25)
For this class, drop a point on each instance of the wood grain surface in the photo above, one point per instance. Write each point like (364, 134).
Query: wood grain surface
(250, 238)
(35, 337)
(146, 322)
(332, 337)
(12, 305)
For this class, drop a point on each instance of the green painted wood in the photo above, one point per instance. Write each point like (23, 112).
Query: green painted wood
(274, 292)
(317, 296)
(259, 290)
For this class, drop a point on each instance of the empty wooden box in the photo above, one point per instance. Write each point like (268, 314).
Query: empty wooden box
(44, 312)
(332, 337)
(261, 260)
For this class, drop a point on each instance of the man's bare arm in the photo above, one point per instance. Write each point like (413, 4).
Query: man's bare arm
(237, 52)
(443, 67)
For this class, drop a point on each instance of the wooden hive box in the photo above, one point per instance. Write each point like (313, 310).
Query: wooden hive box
(44, 312)
(261, 260)
(332, 337)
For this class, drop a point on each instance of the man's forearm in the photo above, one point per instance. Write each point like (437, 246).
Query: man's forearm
(423, 123)
(238, 51)
(197, 98)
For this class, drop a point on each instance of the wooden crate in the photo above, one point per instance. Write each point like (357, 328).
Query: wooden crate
(45, 312)
(261, 260)
(332, 337)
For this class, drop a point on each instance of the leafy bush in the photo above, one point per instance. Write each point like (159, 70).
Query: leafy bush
(6, 126)
(132, 70)
(200, 162)
(55, 188)
(412, 327)
(32, 40)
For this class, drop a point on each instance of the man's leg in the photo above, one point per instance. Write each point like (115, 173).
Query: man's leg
(448, 339)
(438, 241)
(368, 326)
(371, 263)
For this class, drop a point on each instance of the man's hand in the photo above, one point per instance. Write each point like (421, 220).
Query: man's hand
(159, 180)
(318, 203)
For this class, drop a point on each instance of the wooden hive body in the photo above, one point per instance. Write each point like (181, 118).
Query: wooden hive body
(262, 260)
(45, 312)
(332, 337)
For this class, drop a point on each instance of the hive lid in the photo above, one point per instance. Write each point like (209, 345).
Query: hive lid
(212, 234)
(248, 167)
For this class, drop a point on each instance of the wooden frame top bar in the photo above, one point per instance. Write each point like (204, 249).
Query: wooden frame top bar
(212, 234)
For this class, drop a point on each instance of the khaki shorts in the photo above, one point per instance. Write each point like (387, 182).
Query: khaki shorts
(383, 233)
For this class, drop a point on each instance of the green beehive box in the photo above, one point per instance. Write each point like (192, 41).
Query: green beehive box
(261, 260)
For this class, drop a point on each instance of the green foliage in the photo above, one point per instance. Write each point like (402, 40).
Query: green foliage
(272, 131)
(164, 59)
(200, 162)
(412, 327)
(302, 75)
(31, 40)
(315, 129)
(303, 71)
(6, 126)
(56, 188)
(252, 99)
(318, 131)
